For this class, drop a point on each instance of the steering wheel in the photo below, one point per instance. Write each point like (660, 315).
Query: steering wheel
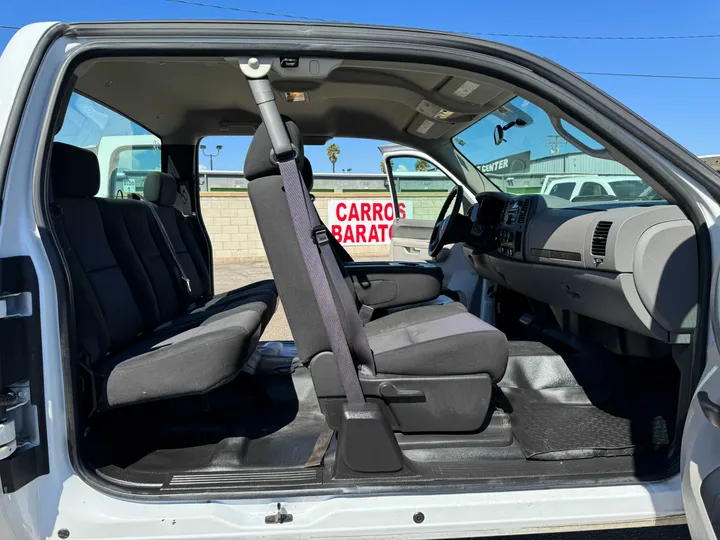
(439, 236)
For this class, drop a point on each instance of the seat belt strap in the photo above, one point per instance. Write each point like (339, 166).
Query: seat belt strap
(168, 242)
(354, 321)
(298, 202)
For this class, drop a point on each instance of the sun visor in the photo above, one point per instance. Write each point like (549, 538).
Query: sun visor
(427, 128)
(460, 89)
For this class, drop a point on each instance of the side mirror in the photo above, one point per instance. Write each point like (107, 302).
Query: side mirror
(498, 135)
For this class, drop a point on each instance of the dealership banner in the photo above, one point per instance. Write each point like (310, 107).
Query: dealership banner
(364, 222)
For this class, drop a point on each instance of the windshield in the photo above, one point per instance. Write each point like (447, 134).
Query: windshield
(525, 154)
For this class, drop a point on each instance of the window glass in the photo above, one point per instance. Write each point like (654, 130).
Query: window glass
(563, 190)
(530, 152)
(130, 166)
(581, 136)
(628, 188)
(592, 189)
(126, 151)
(421, 188)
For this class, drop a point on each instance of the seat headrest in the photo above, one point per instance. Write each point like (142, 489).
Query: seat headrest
(74, 172)
(307, 174)
(259, 162)
(160, 188)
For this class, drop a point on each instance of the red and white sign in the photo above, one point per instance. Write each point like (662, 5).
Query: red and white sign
(363, 222)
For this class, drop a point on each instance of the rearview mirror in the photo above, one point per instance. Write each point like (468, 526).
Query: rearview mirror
(498, 135)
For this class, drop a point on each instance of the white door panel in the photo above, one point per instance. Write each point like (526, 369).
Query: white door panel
(410, 240)
(408, 249)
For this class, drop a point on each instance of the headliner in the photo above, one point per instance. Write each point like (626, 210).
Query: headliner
(184, 99)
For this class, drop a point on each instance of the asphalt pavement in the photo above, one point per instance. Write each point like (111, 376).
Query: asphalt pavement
(230, 276)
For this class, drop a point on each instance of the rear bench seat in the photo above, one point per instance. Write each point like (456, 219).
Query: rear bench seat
(139, 332)
(161, 191)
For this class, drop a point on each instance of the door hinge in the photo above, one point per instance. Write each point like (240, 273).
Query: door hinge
(279, 517)
(19, 426)
(15, 305)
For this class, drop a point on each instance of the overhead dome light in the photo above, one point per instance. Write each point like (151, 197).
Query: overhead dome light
(443, 114)
(295, 97)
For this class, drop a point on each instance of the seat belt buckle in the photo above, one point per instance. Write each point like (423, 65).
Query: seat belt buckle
(188, 286)
(320, 235)
(366, 313)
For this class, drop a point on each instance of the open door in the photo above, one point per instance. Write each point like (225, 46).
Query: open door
(419, 186)
(700, 454)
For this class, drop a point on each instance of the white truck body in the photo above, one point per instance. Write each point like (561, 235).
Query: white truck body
(61, 504)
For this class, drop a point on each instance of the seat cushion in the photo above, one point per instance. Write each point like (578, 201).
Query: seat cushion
(264, 292)
(191, 357)
(437, 340)
(266, 285)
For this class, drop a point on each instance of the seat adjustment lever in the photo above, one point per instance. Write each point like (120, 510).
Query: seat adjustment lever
(710, 409)
(389, 390)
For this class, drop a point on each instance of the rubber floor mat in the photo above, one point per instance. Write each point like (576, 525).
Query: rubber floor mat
(552, 431)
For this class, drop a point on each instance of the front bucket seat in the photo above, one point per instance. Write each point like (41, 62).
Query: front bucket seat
(431, 368)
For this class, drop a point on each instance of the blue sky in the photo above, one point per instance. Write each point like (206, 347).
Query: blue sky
(685, 109)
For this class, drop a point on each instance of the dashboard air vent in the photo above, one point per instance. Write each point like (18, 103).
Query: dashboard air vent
(524, 211)
(599, 239)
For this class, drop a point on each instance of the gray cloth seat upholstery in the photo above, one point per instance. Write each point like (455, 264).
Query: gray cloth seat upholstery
(160, 189)
(138, 334)
(456, 352)
(441, 339)
(192, 359)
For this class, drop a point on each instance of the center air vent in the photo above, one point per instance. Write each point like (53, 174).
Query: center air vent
(524, 211)
(599, 239)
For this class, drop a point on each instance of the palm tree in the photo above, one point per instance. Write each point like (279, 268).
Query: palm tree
(333, 151)
(382, 167)
(421, 165)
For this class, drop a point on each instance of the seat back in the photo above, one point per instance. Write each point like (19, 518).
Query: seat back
(144, 259)
(274, 222)
(161, 190)
(107, 315)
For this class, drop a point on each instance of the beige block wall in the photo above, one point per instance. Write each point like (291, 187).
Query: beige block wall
(424, 207)
(234, 234)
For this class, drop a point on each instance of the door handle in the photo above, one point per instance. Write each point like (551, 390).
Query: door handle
(388, 390)
(710, 409)
(412, 250)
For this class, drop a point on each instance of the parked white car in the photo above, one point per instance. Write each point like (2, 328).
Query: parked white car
(526, 364)
(593, 187)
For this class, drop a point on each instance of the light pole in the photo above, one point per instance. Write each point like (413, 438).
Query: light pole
(210, 155)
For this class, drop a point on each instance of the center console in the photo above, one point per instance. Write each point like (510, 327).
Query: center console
(382, 285)
(511, 228)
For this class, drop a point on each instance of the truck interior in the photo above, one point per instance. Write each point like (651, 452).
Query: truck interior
(563, 364)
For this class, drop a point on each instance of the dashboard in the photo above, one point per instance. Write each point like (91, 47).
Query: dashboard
(633, 267)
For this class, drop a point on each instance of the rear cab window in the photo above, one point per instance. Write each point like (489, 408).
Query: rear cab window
(126, 151)
(563, 190)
